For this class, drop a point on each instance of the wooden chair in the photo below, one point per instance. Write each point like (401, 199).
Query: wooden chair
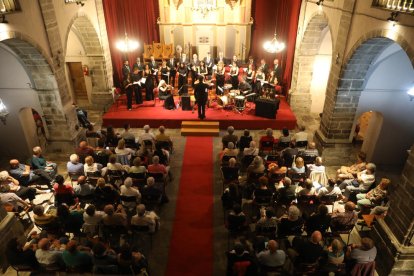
(73, 176)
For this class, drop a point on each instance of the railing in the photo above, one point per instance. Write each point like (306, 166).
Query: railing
(406, 6)
(9, 6)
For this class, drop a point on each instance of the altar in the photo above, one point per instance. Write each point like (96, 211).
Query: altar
(202, 26)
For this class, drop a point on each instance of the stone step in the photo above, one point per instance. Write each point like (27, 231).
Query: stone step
(200, 131)
(200, 124)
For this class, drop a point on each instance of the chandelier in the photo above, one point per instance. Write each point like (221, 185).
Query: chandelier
(274, 46)
(204, 6)
(127, 45)
(3, 112)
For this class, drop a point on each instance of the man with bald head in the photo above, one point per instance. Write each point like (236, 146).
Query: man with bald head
(272, 256)
(310, 251)
(342, 219)
(84, 150)
(26, 176)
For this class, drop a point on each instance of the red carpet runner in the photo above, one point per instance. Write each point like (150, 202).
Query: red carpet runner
(191, 247)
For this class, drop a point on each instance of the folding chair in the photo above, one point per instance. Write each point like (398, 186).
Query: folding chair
(73, 176)
(138, 179)
(123, 159)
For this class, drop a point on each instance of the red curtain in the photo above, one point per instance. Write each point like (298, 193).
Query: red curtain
(281, 16)
(138, 18)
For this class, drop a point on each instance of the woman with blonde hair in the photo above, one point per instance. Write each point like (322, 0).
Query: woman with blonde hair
(298, 166)
(90, 166)
(122, 150)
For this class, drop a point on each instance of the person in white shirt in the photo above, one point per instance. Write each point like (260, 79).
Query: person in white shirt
(300, 136)
(147, 135)
(146, 218)
(329, 190)
(128, 190)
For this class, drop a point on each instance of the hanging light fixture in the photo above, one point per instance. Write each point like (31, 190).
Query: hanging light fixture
(204, 7)
(274, 46)
(127, 45)
(3, 112)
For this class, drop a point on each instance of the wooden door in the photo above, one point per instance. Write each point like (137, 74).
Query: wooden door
(78, 82)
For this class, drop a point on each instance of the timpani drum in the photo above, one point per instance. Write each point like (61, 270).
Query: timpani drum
(240, 102)
(232, 96)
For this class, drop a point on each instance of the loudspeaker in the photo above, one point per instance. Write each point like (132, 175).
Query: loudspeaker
(267, 108)
(169, 102)
(185, 102)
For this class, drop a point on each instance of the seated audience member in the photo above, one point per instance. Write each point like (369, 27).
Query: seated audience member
(288, 154)
(156, 167)
(251, 150)
(331, 190)
(127, 135)
(285, 138)
(230, 150)
(292, 224)
(20, 255)
(262, 193)
(236, 219)
(60, 187)
(344, 219)
(11, 185)
(84, 189)
(146, 136)
(11, 199)
(150, 190)
(231, 171)
(122, 150)
(300, 136)
(115, 217)
(26, 176)
(364, 253)
(130, 261)
(92, 133)
(111, 137)
(162, 137)
(70, 219)
(362, 183)
(79, 260)
(318, 167)
(286, 191)
(231, 196)
(274, 168)
(84, 150)
(162, 154)
(38, 162)
(240, 259)
(309, 251)
(129, 191)
(350, 172)
(256, 167)
(47, 256)
(103, 257)
(104, 194)
(229, 137)
(91, 167)
(115, 166)
(46, 221)
(267, 139)
(73, 166)
(310, 151)
(146, 218)
(267, 220)
(308, 190)
(272, 256)
(91, 220)
(298, 166)
(318, 221)
(375, 196)
(245, 140)
(137, 166)
(335, 256)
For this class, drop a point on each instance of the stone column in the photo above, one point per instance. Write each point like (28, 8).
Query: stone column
(394, 235)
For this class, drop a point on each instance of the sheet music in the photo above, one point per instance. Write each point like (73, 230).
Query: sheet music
(137, 82)
(245, 69)
(143, 80)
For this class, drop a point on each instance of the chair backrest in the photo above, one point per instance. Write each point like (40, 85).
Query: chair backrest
(75, 175)
(230, 173)
(123, 159)
(283, 145)
(140, 228)
(328, 199)
(297, 177)
(158, 177)
(247, 160)
(125, 198)
(266, 145)
(236, 223)
(307, 199)
(130, 143)
(308, 159)
(319, 176)
(148, 143)
(64, 198)
(301, 144)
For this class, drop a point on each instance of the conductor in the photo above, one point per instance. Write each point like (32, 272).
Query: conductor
(201, 96)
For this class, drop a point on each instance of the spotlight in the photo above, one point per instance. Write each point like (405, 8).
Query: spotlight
(3, 19)
(319, 3)
(411, 93)
(393, 17)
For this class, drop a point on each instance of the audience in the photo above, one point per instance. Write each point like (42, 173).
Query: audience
(245, 140)
(362, 183)
(146, 218)
(146, 136)
(350, 172)
(91, 167)
(375, 196)
(127, 135)
(84, 150)
(10, 185)
(26, 176)
(230, 150)
(331, 190)
(75, 259)
(298, 166)
(73, 166)
(229, 137)
(83, 189)
(38, 162)
(344, 219)
(137, 166)
(272, 256)
(285, 138)
(114, 217)
(251, 150)
(47, 255)
(320, 221)
(291, 224)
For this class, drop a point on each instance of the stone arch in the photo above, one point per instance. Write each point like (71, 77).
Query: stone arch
(339, 113)
(315, 32)
(94, 57)
(45, 95)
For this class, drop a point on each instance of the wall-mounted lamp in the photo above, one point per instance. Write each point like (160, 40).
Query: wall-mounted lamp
(320, 2)
(3, 112)
(411, 93)
(393, 17)
(3, 19)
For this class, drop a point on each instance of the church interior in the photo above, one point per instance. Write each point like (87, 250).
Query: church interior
(207, 137)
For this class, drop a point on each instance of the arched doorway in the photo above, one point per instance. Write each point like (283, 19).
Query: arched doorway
(311, 68)
(85, 62)
(376, 77)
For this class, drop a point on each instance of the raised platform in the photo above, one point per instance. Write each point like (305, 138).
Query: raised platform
(156, 115)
